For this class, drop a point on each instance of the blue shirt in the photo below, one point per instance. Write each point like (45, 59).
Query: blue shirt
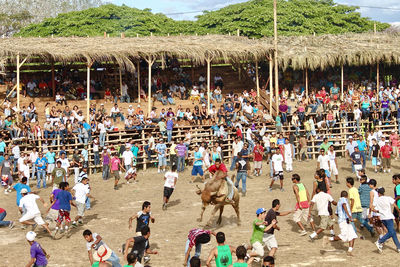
(342, 216)
(1, 159)
(64, 198)
(135, 150)
(197, 159)
(87, 126)
(161, 148)
(50, 156)
(41, 161)
(18, 187)
(361, 145)
(85, 155)
(170, 124)
(2, 146)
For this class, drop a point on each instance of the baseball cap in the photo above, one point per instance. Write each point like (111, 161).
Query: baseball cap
(260, 210)
(24, 191)
(386, 141)
(30, 236)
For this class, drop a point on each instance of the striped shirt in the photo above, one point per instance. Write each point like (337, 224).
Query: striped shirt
(194, 233)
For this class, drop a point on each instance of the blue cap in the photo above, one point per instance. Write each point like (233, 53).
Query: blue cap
(260, 210)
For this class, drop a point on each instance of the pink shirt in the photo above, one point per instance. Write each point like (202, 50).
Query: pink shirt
(115, 164)
(394, 138)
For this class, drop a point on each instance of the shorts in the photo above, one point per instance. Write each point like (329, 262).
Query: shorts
(257, 164)
(328, 173)
(81, 208)
(386, 163)
(278, 175)
(168, 192)
(197, 169)
(301, 214)
(50, 167)
(115, 174)
(358, 167)
(334, 170)
(63, 215)
(374, 161)
(52, 215)
(36, 217)
(269, 240)
(326, 222)
(347, 232)
(258, 248)
(162, 161)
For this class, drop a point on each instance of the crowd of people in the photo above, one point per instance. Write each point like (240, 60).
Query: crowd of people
(303, 125)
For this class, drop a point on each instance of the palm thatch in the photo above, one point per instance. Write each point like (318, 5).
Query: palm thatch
(297, 52)
(126, 50)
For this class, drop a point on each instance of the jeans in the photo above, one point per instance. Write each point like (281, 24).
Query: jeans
(181, 164)
(87, 203)
(114, 260)
(390, 234)
(115, 115)
(148, 152)
(171, 101)
(233, 165)
(398, 124)
(125, 98)
(82, 139)
(169, 134)
(102, 138)
(196, 253)
(96, 158)
(363, 222)
(2, 216)
(218, 98)
(106, 172)
(363, 157)
(33, 171)
(241, 176)
(383, 113)
(41, 175)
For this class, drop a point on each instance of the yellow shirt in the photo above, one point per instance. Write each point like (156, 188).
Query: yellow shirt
(353, 194)
(172, 149)
(273, 140)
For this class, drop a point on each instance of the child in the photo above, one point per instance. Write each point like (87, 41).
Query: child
(115, 165)
(143, 218)
(64, 198)
(131, 174)
(170, 179)
(375, 153)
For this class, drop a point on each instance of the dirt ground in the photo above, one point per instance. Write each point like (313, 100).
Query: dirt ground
(111, 210)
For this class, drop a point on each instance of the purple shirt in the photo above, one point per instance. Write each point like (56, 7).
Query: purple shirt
(170, 113)
(56, 205)
(37, 252)
(181, 149)
(385, 104)
(106, 159)
(170, 124)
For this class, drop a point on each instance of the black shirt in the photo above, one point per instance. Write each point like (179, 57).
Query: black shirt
(142, 220)
(271, 215)
(375, 150)
(139, 247)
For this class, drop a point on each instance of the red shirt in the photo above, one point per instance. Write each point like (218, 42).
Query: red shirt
(193, 234)
(258, 150)
(214, 168)
(386, 151)
(239, 133)
(2, 210)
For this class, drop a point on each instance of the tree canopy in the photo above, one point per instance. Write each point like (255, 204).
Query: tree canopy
(253, 18)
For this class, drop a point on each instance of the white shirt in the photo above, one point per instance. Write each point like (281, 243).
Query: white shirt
(131, 111)
(101, 127)
(357, 114)
(28, 202)
(277, 161)
(127, 156)
(332, 157)
(64, 164)
(384, 206)
(114, 110)
(24, 168)
(130, 171)
(124, 89)
(248, 134)
(248, 109)
(89, 244)
(288, 150)
(81, 191)
(324, 162)
(237, 147)
(16, 152)
(33, 156)
(170, 179)
(322, 200)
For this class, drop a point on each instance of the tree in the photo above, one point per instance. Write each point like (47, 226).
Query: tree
(15, 14)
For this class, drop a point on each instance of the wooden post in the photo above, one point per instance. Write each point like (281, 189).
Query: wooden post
(191, 62)
(276, 58)
(238, 32)
(138, 80)
(240, 71)
(271, 89)
(53, 81)
(257, 84)
(18, 85)
(306, 82)
(120, 80)
(208, 83)
(150, 60)
(341, 82)
(377, 78)
(89, 65)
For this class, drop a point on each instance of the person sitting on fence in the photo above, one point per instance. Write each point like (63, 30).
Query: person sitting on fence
(194, 94)
(116, 112)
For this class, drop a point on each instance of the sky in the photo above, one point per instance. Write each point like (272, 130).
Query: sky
(389, 12)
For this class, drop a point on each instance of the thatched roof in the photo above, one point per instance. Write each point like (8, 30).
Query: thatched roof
(126, 50)
(298, 52)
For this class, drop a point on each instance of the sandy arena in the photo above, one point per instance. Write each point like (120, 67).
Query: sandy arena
(111, 210)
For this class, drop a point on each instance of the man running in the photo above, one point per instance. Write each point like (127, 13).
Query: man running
(302, 204)
(222, 253)
(276, 165)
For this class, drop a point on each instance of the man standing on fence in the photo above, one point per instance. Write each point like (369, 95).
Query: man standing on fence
(170, 126)
(162, 159)
(181, 151)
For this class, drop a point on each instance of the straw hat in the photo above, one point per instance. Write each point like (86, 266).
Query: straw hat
(102, 254)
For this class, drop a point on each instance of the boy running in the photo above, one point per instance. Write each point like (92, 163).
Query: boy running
(143, 218)
(115, 165)
(64, 198)
(302, 204)
(170, 179)
(277, 162)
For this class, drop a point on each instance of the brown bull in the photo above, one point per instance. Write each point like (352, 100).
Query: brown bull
(211, 194)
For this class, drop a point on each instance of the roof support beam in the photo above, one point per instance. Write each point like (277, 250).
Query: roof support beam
(89, 65)
(150, 60)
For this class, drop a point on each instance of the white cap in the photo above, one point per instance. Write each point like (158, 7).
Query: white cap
(30, 236)
(24, 191)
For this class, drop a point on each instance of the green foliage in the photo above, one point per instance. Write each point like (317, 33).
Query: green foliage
(254, 19)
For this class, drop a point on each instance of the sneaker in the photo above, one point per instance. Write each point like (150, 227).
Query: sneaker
(73, 224)
(398, 250)
(312, 239)
(282, 190)
(303, 232)
(11, 225)
(115, 187)
(80, 222)
(244, 194)
(269, 189)
(146, 259)
(379, 246)
(389, 170)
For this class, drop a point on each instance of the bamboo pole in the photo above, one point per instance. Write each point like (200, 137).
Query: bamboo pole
(276, 58)
(18, 84)
(138, 80)
(377, 78)
(306, 82)
(271, 89)
(53, 82)
(208, 83)
(89, 65)
(257, 84)
(341, 81)
(240, 71)
(150, 61)
(120, 80)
